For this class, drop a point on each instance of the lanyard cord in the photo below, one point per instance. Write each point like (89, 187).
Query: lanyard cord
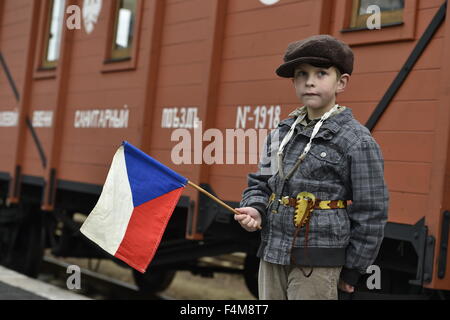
(308, 146)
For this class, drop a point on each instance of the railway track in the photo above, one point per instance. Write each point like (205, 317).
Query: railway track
(93, 284)
(229, 263)
(102, 287)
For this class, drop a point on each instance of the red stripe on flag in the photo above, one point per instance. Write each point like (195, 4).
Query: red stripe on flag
(145, 229)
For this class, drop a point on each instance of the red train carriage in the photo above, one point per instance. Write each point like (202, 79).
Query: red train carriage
(184, 80)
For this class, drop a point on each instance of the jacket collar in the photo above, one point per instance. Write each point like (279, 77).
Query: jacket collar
(333, 124)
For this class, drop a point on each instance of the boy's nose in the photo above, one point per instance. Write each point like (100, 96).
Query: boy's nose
(309, 82)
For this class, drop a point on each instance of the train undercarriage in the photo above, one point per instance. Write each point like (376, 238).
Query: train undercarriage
(405, 259)
(26, 232)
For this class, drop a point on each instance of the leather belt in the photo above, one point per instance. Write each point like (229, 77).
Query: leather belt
(304, 205)
(319, 204)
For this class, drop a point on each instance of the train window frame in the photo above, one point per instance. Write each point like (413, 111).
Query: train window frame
(388, 18)
(119, 62)
(45, 62)
(46, 70)
(390, 31)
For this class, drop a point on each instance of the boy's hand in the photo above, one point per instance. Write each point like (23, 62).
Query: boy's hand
(345, 287)
(249, 218)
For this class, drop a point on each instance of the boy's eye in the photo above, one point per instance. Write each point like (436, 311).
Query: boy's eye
(300, 74)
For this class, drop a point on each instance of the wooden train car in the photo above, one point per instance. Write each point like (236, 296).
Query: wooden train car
(192, 83)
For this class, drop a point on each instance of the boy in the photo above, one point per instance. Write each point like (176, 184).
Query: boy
(312, 240)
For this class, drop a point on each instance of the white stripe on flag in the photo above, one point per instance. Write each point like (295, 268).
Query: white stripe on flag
(107, 223)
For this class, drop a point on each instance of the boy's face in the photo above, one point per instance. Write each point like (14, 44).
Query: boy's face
(317, 87)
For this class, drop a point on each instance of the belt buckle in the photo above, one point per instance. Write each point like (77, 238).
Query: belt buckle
(304, 208)
(284, 200)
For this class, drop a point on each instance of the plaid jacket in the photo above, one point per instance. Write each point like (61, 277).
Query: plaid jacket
(344, 163)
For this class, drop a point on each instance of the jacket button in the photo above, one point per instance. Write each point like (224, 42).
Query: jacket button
(323, 154)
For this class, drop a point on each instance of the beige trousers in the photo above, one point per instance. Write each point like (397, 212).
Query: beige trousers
(278, 282)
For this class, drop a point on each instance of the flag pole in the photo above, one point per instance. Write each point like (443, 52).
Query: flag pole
(214, 198)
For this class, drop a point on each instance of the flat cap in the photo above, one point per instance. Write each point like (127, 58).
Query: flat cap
(319, 50)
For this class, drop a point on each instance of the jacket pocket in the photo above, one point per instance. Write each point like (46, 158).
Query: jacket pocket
(340, 227)
(321, 163)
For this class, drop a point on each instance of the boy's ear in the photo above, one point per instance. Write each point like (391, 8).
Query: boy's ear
(342, 82)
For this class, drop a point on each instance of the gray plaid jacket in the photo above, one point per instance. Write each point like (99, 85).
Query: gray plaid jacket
(344, 163)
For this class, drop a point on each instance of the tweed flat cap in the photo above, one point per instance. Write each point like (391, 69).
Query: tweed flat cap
(319, 50)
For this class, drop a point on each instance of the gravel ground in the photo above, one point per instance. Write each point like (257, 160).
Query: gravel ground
(221, 287)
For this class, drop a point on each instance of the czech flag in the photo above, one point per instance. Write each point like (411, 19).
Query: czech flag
(133, 210)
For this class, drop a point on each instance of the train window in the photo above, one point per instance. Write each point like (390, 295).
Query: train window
(54, 33)
(123, 38)
(391, 12)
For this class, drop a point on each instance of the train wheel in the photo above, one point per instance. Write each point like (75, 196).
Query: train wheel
(251, 267)
(27, 244)
(153, 281)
